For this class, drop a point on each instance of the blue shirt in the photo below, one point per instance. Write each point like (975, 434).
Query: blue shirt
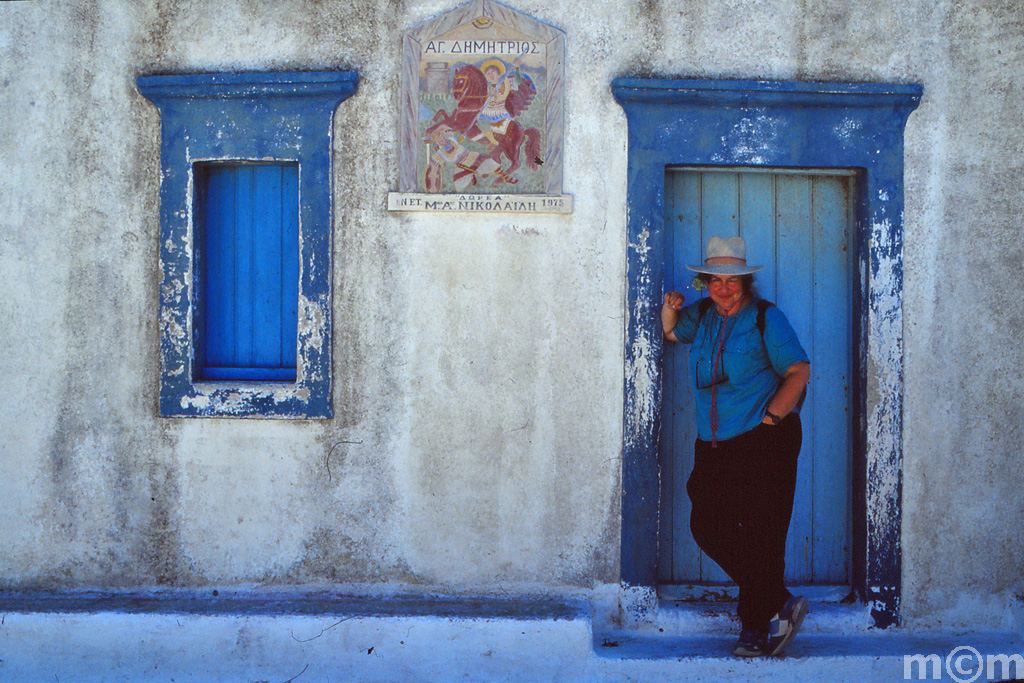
(749, 371)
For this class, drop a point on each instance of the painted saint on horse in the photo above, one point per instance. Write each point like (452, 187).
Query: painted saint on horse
(488, 100)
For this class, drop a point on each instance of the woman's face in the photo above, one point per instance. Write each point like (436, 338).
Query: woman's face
(725, 290)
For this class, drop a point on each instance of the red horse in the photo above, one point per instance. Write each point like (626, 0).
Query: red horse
(470, 90)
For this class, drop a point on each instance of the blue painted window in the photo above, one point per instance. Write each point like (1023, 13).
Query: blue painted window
(247, 263)
(245, 242)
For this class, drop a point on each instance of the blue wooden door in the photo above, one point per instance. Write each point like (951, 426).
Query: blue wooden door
(247, 260)
(797, 224)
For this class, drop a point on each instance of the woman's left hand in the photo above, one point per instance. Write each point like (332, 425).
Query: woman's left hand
(788, 393)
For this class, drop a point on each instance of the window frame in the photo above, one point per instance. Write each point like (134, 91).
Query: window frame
(773, 124)
(246, 118)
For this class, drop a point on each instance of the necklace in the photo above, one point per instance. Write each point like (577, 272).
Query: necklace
(714, 370)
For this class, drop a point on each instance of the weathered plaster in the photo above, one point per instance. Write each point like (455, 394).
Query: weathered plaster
(641, 368)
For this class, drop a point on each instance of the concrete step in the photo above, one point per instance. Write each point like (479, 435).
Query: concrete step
(117, 647)
(884, 656)
(837, 642)
(689, 618)
(390, 639)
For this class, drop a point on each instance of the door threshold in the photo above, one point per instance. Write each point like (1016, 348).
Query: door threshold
(693, 592)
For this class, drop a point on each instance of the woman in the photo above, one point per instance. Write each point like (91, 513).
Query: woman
(750, 372)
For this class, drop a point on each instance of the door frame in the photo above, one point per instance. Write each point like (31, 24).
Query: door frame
(674, 470)
(780, 124)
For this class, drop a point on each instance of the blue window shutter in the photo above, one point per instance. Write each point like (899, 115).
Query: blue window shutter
(247, 265)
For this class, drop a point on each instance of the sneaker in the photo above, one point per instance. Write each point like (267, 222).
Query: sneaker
(751, 644)
(786, 623)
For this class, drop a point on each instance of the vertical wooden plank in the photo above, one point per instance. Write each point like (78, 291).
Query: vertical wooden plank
(687, 250)
(289, 266)
(720, 199)
(244, 283)
(831, 367)
(794, 296)
(666, 451)
(200, 199)
(672, 419)
(266, 266)
(757, 227)
(218, 251)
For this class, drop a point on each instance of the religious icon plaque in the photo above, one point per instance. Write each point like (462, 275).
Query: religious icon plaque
(482, 115)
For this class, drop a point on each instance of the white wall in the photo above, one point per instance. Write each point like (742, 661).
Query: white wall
(478, 359)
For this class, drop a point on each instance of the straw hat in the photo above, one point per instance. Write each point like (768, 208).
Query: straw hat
(726, 257)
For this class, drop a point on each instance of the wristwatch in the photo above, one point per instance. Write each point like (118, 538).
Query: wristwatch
(773, 417)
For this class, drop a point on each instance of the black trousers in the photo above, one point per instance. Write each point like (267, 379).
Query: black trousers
(742, 494)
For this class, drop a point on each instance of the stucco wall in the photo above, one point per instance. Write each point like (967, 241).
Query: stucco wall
(964, 475)
(478, 360)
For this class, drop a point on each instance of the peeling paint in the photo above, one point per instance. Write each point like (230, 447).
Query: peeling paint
(752, 139)
(638, 605)
(642, 408)
(641, 366)
(884, 399)
(200, 402)
(312, 316)
(172, 328)
(849, 126)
